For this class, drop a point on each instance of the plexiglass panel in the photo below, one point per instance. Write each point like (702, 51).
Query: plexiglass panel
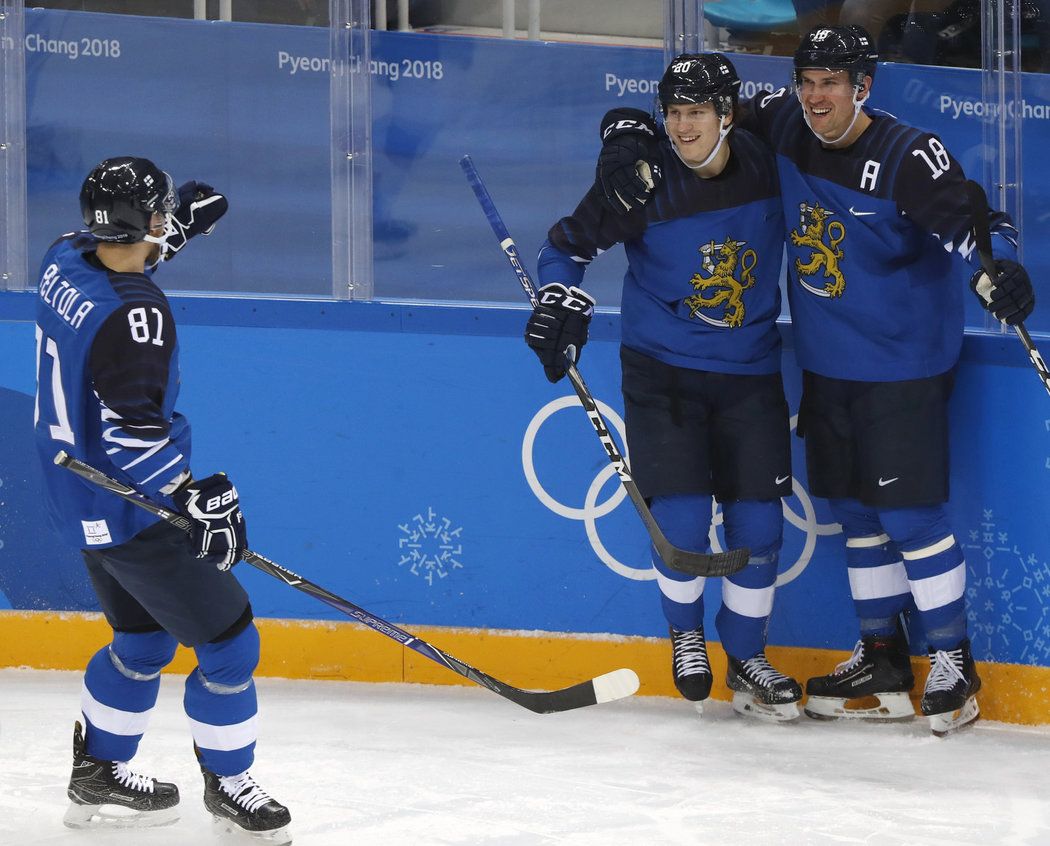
(13, 261)
(241, 106)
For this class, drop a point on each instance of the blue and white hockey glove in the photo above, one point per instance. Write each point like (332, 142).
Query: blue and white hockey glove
(559, 324)
(628, 167)
(200, 208)
(219, 534)
(1011, 298)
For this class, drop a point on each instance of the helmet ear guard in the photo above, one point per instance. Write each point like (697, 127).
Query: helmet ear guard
(120, 196)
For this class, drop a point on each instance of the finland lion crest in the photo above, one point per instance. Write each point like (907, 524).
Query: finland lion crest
(813, 226)
(721, 287)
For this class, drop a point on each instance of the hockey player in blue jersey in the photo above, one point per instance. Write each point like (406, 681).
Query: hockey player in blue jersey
(107, 383)
(880, 243)
(703, 395)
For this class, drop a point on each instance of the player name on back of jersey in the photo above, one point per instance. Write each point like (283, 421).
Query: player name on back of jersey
(68, 302)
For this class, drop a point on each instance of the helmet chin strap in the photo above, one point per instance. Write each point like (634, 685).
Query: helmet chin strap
(857, 104)
(723, 131)
(162, 239)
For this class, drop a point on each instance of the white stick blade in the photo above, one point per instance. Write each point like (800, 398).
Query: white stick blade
(615, 685)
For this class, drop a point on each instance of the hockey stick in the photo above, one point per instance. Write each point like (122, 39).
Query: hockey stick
(983, 238)
(605, 688)
(693, 563)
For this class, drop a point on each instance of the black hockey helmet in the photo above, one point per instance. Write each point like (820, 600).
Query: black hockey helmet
(120, 197)
(832, 48)
(700, 78)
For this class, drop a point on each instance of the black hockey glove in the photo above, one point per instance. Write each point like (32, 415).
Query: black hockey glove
(559, 321)
(219, 534)
(200, 208)
(628, 170)
(1011, 299)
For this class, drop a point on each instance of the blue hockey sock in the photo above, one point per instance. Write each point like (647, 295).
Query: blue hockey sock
(747, 596)
(221, 704)
(685, 520)
(120, 689)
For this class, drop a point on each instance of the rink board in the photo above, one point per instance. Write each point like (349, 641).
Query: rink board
(415, 461)
(300, 649)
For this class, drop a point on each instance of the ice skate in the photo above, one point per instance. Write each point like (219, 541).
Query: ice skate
(762, 691)
(692, 670)
(240, 805)
(872, 684)
(949, 700)
(106, 794)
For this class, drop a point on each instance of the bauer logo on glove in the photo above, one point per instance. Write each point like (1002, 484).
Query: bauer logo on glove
(218, 535)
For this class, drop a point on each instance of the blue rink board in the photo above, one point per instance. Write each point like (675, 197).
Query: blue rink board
(388, 466)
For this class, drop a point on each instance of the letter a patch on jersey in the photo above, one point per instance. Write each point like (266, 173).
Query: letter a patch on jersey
(816, 233)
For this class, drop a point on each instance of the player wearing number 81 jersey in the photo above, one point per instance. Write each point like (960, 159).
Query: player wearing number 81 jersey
(107, 383)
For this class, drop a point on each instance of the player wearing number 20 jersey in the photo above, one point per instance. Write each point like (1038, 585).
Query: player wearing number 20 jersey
(108, 377)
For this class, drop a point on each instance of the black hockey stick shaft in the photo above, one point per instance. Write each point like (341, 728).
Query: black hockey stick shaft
(684, 561)
(605, 688)
(983, 239)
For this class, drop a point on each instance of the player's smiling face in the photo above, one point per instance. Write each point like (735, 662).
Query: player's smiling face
(827, 97)
(693, 128)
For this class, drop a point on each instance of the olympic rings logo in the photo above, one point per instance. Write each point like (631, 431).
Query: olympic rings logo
(591, 510)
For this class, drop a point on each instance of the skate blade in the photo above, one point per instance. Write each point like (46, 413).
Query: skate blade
(117, 817)
(274, 837)
(944, 724)
(746, 705)
(879, 707)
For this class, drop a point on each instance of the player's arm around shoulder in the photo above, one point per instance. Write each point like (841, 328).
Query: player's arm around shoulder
(757, 114)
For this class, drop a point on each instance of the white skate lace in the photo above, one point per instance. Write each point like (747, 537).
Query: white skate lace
(945, 670)
(852, 661)
(761, 671)
(130, 779)
(690, 653)
(244, 791)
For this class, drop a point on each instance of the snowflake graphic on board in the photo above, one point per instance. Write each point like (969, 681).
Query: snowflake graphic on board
(1008, 597)
(429, 546)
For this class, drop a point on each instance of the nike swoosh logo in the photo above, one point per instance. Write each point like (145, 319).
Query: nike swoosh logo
(884, 482)
(781, 479)
(856, 213)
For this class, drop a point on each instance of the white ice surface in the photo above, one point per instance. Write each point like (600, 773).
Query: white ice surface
(422, 765)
